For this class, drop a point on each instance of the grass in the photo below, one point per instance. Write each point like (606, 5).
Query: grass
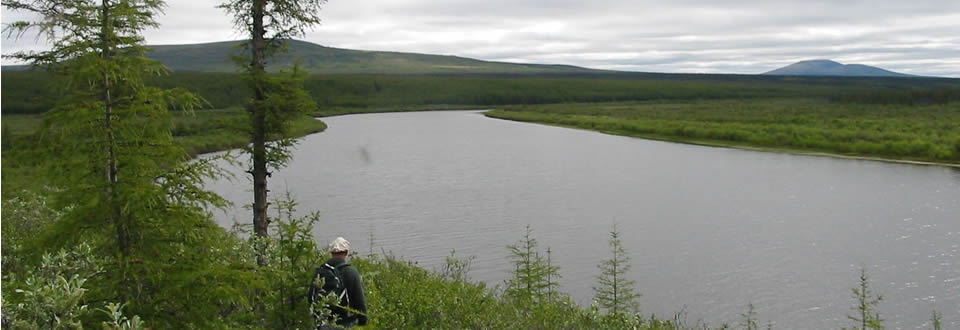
(928, 133)
(220, 129)
(200, 132)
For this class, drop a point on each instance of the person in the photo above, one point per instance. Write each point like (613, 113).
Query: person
(352, 284)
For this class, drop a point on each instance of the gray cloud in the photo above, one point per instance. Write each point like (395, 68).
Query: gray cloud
(745, 36)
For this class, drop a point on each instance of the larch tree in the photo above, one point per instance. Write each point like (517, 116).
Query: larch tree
(614, 291)
(123, 182)
(276, 98)
(866, 315)
(533, 276)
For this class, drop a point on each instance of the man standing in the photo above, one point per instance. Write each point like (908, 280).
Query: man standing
(340, 275)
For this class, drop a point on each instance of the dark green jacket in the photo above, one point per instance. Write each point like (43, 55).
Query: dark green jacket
(354, 286)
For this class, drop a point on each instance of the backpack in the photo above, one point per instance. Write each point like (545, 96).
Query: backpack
(332, 283)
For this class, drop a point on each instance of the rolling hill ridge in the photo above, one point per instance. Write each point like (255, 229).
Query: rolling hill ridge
(216, 57)
(831, 68)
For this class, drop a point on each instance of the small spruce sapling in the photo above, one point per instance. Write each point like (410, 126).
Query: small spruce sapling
(614, 292)
(866, 315)
(532, 275)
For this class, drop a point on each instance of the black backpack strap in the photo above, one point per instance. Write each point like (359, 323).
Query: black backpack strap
(344, 296)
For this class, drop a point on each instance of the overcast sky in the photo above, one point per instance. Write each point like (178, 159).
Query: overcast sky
(744, 36)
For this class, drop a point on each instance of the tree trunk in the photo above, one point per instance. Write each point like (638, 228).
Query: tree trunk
(123, 244)
(258, 45)
(112, 194)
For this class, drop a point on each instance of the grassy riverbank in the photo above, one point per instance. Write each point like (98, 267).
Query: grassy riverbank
(199, 132)
(929, 133)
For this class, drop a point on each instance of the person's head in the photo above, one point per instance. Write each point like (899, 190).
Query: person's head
(339, 247)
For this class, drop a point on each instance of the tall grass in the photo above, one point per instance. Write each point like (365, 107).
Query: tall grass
(913, 132)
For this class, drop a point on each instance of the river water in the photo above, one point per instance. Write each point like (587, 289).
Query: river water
(708, 230)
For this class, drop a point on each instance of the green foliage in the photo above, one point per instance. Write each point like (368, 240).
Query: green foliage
(456, 269)
(118, 321)
(532, 274)
(25, 214)
(889, 131)
(936, 320)
(750, 318)
(293, 256)
(402, 295)
(30, 92)
(614, 292)
(118, 176)
(866, 315)
(285, 101)
(219, 129)
(276, 99)
(51, 295)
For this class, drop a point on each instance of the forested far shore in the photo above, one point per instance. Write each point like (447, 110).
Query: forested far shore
(37, 92)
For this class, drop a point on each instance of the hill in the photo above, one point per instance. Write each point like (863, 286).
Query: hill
(831, 68)
(217, 57)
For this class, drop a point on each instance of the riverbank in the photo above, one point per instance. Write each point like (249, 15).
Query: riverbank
(199, 132)
(925, 135)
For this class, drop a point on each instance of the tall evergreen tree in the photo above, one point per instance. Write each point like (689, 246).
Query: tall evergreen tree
(615, 292)
(276, 99)
(123, 182)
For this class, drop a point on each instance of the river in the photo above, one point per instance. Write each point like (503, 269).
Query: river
(708, 230)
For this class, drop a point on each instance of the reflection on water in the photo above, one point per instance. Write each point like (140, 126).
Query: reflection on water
(708, 229)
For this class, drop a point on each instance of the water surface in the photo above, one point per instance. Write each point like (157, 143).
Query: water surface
(709, 230)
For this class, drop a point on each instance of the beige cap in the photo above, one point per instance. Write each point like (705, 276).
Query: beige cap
(339, 245)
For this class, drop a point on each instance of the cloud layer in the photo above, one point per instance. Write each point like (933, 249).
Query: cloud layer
(745, 36)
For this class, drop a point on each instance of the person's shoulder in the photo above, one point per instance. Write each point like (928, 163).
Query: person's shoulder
(348, 268)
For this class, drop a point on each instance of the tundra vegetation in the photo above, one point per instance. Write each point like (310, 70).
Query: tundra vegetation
(929, 132)
(106, 222)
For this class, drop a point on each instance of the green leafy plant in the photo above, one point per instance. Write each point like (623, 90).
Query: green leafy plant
(52, 295)
(118, 321)
(456, 269)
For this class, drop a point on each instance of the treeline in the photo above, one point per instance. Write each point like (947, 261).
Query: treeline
(940, 95)
(35, 92)
(930, 132)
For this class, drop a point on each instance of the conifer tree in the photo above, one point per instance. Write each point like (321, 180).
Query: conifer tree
(276, 99)
(936, 320)
(614, 291)
(533, 275)
(124, 184)
(866, 316)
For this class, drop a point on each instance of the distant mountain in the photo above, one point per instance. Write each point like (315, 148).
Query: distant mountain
(831, 68)
(217, 57)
